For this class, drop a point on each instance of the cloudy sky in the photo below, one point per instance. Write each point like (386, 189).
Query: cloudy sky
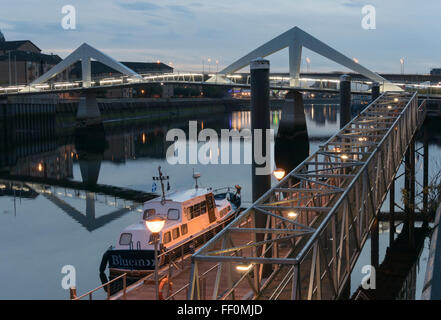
(188, 32)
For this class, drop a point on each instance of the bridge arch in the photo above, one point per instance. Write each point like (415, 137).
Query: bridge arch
(295, 39)
(85, 53)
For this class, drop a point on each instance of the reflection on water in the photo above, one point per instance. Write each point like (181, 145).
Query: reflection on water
(48, 223)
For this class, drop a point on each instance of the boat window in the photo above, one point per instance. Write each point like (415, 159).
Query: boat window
(148, 213)
(184, 229)
(125, 239)
(167, 237)
(203, 207)
(195, 211)
(173, 214)
(175, 233)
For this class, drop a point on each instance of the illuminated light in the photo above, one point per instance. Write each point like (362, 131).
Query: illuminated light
(40, 167)
(143, 138)
(362, 139)
(337, 149)
(355, 60)
(142, 91)
(155, 224)
(344, 157)
(158, 62)
(279, 173)
(292, 214)
(2, 186)
(312, 95)
(389, 107)
(243, 267)
(395, 99)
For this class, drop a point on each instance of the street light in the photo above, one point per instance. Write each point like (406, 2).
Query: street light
(279, 173)
(155, 225)
(243, 267)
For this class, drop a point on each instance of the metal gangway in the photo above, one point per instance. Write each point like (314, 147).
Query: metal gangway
(317, 218)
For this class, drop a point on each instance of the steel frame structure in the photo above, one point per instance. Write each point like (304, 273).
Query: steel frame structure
(318, 216)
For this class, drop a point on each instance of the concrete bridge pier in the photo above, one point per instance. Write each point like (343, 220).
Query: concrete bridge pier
(88, 110)
(292, 134)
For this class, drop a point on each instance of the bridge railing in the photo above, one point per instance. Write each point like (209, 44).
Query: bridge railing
(318, 217)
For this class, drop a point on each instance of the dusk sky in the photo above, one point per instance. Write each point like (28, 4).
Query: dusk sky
(186, 32)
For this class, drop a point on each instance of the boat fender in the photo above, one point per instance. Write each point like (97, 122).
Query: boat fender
(161, 287)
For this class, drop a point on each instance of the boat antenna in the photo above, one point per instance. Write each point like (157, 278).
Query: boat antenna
(196, 176)
(161, 178)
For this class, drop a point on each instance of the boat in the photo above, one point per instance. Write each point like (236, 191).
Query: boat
(188, 214)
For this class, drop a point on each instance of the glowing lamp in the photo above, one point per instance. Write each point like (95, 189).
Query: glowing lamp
(243, 268)
(279, 173)
(155, 224)
(344, 157)
(292, 214)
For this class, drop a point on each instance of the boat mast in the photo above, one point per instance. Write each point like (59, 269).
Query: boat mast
(161, 178)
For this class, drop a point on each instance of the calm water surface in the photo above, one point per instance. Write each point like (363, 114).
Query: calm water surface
(39, 234)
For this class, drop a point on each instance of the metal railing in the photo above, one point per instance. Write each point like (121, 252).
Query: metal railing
(107, 284)
(318, 217)
(173, 259)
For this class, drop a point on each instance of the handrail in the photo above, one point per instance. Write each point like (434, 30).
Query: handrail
(123, 276)
(188, 284)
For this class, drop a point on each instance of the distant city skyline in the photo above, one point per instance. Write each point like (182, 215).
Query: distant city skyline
(189, 33)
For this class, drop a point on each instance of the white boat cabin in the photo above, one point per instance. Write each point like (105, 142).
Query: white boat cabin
(188, 214)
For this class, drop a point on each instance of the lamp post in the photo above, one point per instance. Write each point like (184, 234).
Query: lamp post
(402, 65)
(155, 225)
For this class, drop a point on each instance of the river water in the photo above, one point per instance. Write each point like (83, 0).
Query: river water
(41, 233)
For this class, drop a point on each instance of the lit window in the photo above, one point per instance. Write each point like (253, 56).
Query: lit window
(175, 233)
(125, 239)
(184, 229)
(167, 237)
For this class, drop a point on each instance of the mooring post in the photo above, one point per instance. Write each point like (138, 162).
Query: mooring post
(345, 100)
(409, 173)
(375, 90)
(375, 244)
(392, 212)
(412, 193)
(425, 169)
(260, 119)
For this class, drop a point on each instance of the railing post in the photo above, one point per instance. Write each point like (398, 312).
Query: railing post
(73, 293)
(124, 284)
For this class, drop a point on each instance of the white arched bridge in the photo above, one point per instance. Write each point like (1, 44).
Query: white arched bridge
(294, 39)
